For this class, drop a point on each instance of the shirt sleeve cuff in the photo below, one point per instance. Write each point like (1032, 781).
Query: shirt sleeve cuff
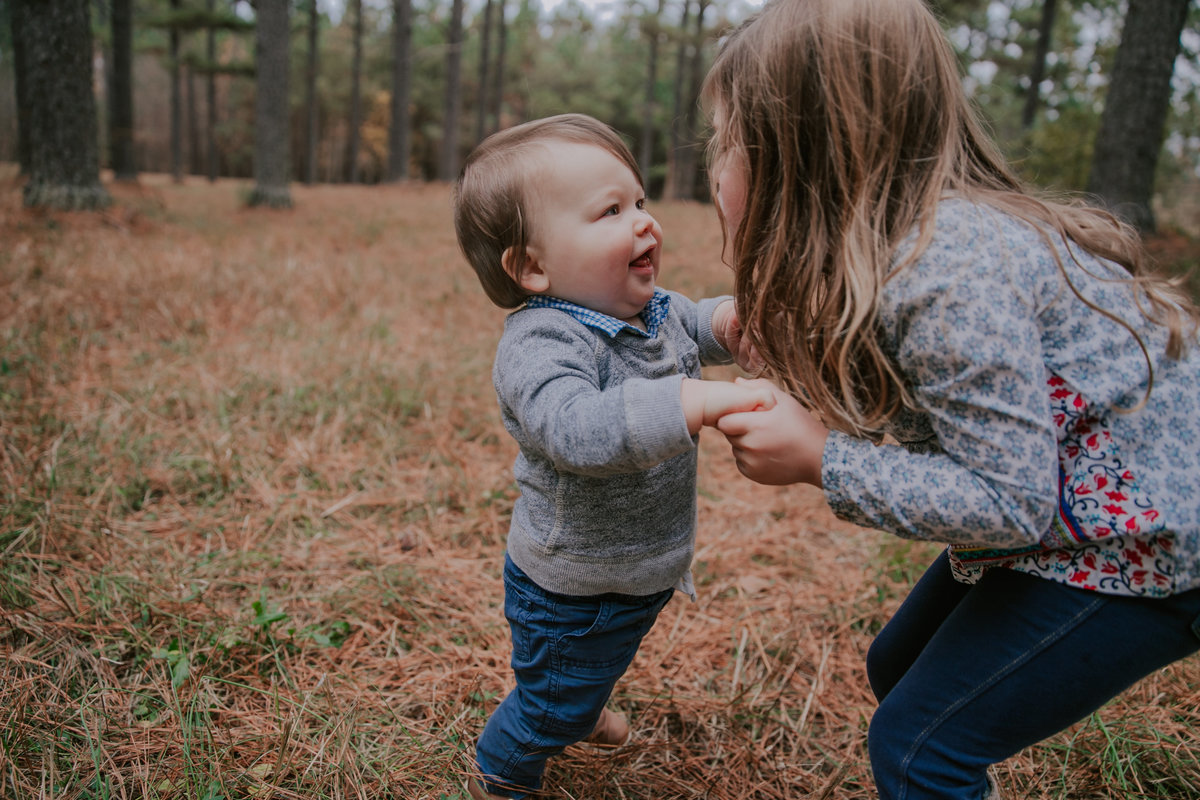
(712, 352)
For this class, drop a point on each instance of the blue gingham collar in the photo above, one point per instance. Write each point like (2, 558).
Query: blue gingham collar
(653, 314)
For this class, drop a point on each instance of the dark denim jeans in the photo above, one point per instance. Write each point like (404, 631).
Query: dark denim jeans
(967, 676)
(568, 653)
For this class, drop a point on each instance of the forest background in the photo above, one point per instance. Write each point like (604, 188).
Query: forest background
(253, 484)
(375, 85)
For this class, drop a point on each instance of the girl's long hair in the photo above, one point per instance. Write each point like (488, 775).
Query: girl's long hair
(852, 122)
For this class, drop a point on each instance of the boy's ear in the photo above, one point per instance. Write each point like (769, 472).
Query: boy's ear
(528, 273)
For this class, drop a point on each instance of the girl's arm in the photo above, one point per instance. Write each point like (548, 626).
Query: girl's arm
(965, 325)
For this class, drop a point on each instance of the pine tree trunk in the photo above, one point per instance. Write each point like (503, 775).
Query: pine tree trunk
(194, 167)
(688, 156)
(211, 105)
(60, 120)
(449, 154)
(646, 155)
(399, 147)
(671, 188)
(15, 16)
(1037, 70)
(484, 57)
(176, 100)
(310, 95)
(271, 106)
(120, 121)
(1135, 110)
(497, 93)
(355, 123)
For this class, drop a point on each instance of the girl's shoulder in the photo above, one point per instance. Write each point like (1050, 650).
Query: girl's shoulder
(962, 236)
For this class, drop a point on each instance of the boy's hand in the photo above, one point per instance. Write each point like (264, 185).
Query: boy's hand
(705, 402)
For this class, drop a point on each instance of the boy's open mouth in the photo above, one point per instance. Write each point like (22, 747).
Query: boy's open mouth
(643, 261)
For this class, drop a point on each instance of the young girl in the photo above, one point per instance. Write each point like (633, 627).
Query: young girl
(896, 278)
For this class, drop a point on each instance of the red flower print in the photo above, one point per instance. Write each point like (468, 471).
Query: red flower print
(1113, 508)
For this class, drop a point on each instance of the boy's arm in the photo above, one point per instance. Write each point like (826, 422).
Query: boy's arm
(705, 402)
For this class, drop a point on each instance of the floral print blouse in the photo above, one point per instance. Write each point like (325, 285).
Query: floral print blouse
(1034, 446)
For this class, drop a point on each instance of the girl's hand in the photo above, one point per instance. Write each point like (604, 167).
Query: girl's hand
(778, 446)
(727, 328)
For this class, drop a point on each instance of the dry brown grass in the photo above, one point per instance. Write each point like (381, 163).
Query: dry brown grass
(254, 497)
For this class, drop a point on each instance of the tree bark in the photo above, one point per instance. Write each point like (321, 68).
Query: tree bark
(120, 121)
(687, 159)
(210, 51)
(399, 140)
(15, 16)
(671, 186)
(646, 155)
(449, 154)
(497, 93)
(194, 167)
(59, 123)
(1037, 70)
(1135, 110)
(176, 100)
(355, 123)
(484, 57)
(310, 94)
(271, 106)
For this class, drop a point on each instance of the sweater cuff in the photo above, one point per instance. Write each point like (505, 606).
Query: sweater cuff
(654, 409)
(712, 352)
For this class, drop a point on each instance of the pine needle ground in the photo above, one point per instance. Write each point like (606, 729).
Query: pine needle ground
(253, 499)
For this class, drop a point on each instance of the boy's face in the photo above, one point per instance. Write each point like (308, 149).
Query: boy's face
(593, 242)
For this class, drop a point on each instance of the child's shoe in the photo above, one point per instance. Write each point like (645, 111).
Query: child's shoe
(611, 730)
(477, 792)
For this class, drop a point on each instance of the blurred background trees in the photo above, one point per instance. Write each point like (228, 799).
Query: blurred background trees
(401, 89)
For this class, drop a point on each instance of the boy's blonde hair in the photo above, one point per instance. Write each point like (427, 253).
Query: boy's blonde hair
(493, 192)
(852, 122)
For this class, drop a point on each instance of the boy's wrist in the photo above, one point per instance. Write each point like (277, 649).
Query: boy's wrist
(692, 394)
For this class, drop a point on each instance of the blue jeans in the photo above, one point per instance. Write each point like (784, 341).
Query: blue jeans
(568, 653)
(967, 676)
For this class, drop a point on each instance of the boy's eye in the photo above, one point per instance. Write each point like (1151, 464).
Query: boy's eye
(611, 211)
(641, 204)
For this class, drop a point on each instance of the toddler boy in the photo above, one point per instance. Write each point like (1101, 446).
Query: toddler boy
(597, 376)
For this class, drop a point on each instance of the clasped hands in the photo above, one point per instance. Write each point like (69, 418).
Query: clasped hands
(774, 439)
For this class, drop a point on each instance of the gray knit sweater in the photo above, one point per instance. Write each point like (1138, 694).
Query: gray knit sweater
(607, 468)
